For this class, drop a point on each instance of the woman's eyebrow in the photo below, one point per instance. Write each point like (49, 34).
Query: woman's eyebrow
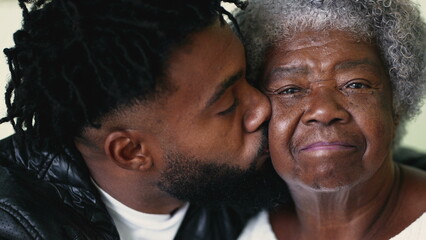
(282, 71)
(356, 63)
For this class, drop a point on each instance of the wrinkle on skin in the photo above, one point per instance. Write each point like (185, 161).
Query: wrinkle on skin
(331, 133)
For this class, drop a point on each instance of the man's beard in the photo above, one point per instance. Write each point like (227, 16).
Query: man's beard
(211, 184)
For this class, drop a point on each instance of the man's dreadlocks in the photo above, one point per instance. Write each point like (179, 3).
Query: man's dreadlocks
(76, 60)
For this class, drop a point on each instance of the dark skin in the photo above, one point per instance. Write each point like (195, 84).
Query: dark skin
(211, 111)
(331, 138)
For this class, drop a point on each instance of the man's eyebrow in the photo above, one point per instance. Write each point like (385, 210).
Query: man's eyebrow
(355, 63)
(221, 89)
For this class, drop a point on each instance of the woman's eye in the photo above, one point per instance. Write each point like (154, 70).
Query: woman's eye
(230, 109)
(288, 91)
(357, 85)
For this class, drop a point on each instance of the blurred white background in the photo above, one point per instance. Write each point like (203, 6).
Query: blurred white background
(10, 19)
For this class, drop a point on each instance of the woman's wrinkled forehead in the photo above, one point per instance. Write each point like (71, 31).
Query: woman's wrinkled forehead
(276, 20)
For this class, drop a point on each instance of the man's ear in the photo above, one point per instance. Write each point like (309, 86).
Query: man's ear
(127, 149)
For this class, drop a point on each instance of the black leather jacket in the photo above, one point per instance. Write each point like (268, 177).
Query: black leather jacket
(45, 196)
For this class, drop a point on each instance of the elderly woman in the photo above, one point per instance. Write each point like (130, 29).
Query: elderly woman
(343, 77)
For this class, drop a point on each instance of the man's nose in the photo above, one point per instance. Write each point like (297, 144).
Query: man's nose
(258, 110)
(325, 107)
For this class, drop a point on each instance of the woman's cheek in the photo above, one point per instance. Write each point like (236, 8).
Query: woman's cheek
(283, 124)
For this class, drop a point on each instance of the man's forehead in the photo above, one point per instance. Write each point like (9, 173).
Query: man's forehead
(208, 60)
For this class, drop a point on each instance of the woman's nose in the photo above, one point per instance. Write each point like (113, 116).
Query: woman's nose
(325, 107)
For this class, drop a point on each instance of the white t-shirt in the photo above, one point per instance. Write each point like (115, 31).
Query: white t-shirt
(416, 230)
(135, 225)
(259, 228)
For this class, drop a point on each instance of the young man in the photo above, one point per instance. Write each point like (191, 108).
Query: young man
(126, 110)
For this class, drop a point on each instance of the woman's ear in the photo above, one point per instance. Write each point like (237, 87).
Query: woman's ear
(127, 149)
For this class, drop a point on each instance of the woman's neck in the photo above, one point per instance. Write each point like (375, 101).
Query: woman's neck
(356, 212)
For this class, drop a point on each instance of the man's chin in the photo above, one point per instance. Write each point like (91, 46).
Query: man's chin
(213, 184)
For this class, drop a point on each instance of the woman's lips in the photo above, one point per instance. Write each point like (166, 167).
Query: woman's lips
(327, 146)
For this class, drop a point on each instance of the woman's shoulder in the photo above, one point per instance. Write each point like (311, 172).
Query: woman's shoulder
(412, 202)
(414, 185)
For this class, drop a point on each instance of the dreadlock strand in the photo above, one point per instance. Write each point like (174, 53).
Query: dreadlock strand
(95, 69)
(15, 76)
(80, 37)
(72, 17)
(74, 91)
(24, 8)
(233, 20)
(240, 4)
(132, 23)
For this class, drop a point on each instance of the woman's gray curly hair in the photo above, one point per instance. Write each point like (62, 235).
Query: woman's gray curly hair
(394, 25)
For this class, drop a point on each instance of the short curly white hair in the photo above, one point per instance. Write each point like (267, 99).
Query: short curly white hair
(395, 26)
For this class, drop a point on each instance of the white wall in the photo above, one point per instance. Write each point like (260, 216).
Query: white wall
(10, 16)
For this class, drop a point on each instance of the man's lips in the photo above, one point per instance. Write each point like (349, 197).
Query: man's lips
(327, 146)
